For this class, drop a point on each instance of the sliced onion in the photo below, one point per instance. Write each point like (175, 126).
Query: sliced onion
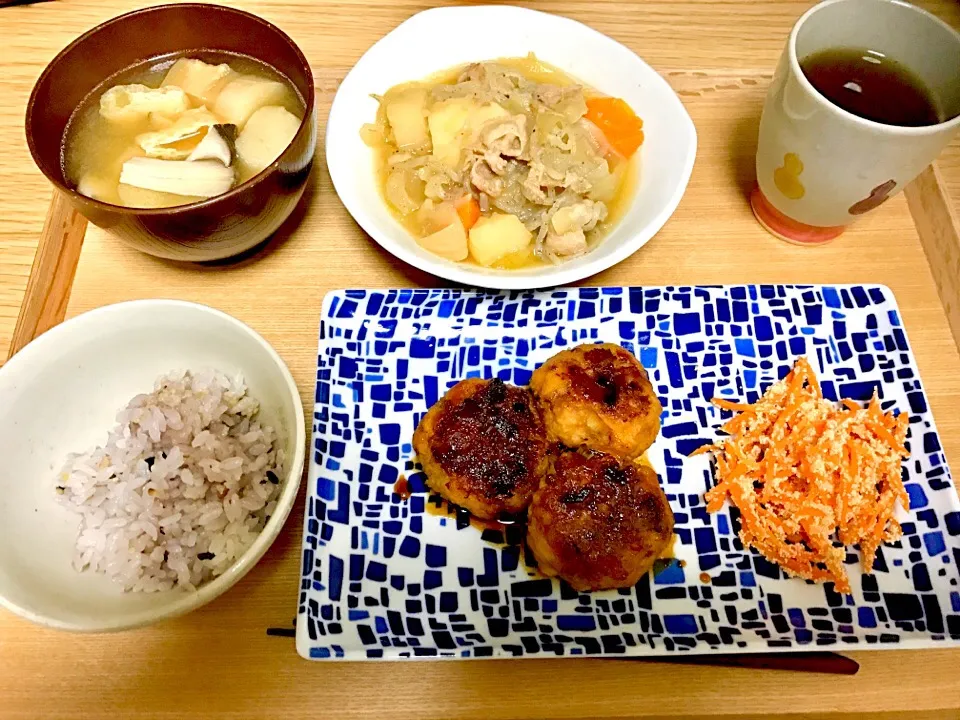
(397, 158)
(605, 187)
(404, 191)
(371, 135)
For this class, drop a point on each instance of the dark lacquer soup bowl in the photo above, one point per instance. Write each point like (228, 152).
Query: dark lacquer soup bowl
(211, 229)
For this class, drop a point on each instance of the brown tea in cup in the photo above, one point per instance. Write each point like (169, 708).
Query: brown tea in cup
(871, 85)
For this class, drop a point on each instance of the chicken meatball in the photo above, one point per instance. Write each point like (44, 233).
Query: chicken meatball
(598, 396)
(597, 522)
(483, 446)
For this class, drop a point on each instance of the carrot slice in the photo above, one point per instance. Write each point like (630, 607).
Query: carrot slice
(469, 211)
(731, 405)
(703, 449)
(618, 123)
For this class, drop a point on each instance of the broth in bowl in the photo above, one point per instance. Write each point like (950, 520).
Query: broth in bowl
(180, 129)
(507, 164)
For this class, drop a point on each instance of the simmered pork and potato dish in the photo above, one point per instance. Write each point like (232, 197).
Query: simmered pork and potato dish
(506, 163)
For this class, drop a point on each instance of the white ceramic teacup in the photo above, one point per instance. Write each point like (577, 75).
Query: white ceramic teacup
(820, 167)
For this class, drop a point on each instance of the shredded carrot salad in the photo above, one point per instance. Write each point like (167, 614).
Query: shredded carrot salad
(810, 477)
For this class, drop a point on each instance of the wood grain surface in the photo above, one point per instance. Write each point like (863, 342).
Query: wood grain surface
(219, 662)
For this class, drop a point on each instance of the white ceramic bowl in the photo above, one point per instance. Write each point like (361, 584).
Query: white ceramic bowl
(60, 394)
(441, 38)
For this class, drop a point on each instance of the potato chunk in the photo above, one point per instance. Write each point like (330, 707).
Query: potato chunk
(483, 114)
(450, 242)
(446, 122)
(456, 123)
(265, 136)
(244, 95)
(495, 236)
(405, 113)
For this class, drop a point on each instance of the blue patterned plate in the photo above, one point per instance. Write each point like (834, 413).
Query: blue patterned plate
(386, 577)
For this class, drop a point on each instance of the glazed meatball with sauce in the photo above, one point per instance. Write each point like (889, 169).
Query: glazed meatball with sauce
(484, 447)
(598, 523)
(598, 396)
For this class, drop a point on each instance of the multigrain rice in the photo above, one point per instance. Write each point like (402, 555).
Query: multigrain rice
(183, 486)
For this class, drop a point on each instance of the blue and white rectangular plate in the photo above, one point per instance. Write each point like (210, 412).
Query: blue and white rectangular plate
(383, 577)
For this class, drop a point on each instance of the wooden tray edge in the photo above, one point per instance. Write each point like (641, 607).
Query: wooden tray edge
(51, 276)
(939, 231)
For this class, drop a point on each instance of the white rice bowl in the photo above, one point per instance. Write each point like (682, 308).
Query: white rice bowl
(183, 486)
(61, 395)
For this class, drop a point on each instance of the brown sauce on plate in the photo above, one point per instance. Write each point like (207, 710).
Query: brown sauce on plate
(506, 531)
(402, 488)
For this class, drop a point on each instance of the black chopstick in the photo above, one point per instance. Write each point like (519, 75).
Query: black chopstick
(22, 2)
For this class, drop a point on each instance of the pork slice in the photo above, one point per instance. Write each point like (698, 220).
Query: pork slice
(506, 137)
(548, 94)
(566, 245)
(566, 235)
(552, 95)
(533, 183)
(484, 179)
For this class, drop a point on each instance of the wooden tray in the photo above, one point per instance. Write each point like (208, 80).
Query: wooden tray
(228, 657)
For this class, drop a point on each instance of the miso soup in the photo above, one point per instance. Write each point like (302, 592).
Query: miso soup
(180, 129)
